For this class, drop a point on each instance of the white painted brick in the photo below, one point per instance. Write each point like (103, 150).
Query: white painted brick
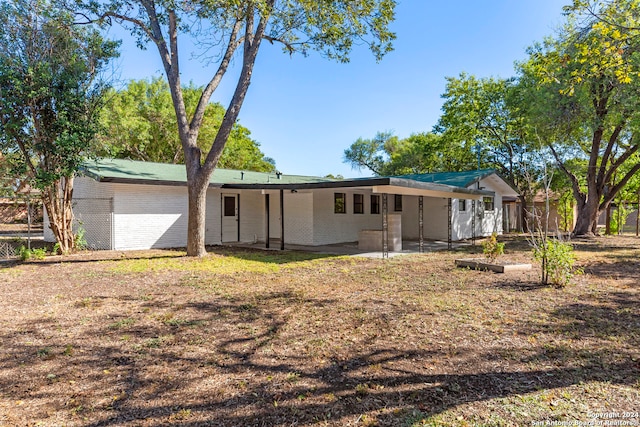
(330, 227)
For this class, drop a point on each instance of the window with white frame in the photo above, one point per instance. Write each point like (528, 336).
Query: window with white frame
(487, 201)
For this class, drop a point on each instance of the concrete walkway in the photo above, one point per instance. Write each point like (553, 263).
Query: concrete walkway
(351, 248)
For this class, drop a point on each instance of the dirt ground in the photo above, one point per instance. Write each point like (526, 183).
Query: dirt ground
(252, 338)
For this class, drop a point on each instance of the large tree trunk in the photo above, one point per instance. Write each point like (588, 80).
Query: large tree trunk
(587, 218)
(198, 184)
(57, 201)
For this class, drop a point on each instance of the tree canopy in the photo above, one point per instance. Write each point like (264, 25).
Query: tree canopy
(139, 123)
(49, 100)
(386, 154)
(586, 101)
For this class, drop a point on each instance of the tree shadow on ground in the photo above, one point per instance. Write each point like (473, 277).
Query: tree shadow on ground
(626, 268)
(521, 285)
(238, 379)
(246, 254)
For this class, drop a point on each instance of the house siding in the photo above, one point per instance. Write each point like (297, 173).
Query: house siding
(434, 218)
(486, 222)
(492, 220)
(330, 227)
(212, 230)
(298, 218)
(252, 216)
(156, 216)
(150, 216)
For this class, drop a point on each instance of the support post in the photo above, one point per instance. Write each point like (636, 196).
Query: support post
(268, 220)
(620, 225)
(238, 215)
(385, 226)
(449, 215)
(421, 223)
(473, 222)
(281, 220)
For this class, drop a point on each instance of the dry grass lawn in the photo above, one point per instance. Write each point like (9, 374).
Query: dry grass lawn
(250, 338)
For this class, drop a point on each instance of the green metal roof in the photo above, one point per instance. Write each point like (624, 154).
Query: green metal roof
(137, 172)
(118, 170)
(455, 179)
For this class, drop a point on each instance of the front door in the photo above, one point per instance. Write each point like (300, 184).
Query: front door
(230, 216)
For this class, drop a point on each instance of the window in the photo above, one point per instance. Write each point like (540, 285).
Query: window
(339, 203)
(488, 203)
(229, 206)
(462, 205)
(375, 204)
(397, 203)
(358, 203)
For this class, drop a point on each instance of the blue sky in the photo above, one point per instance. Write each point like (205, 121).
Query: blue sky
(305, 112)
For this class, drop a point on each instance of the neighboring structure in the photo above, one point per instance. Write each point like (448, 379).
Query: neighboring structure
(562, 212)
(124, 204)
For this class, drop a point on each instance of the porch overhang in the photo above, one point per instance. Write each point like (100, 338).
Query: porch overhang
(389, 185)
(416, 188)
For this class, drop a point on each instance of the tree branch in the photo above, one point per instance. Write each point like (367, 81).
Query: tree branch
(607, 153)
(619, 186)
(619, 161)
(574, 180)
(252, 44)
(287, 45)
(233, 44)
(155, 34)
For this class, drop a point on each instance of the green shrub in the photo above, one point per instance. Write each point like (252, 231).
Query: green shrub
(80, 239)
(557, 260)
(24, 253)
(39, 253)
(491, 248)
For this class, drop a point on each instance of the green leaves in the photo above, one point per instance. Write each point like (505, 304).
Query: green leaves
(425, 152)
(333, 27)
(139, 123)
(49, 89)
(49, 98)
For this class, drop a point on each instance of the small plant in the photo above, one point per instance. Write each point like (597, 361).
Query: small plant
(80, 239)
(68, 350)
(39, 253)
(56, 249)
(44, 352)
(24, 253)
(122, 323)
(557, 260)
(292, 377)
(491, 248)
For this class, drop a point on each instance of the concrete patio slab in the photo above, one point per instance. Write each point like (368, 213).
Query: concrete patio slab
(351, 248)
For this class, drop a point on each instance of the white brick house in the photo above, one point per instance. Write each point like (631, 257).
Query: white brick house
(124, 204)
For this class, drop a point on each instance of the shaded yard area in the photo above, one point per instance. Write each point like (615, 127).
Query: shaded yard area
(246, 337)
